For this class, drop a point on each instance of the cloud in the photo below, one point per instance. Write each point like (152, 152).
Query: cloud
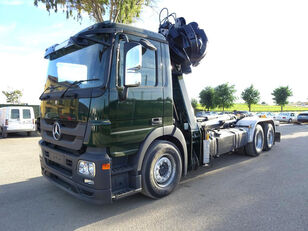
(7, 28)
(11, 2)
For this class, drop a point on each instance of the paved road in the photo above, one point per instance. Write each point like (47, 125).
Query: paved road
(269, 192)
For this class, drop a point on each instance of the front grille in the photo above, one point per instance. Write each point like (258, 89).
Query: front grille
(72, 133)
(63, 137)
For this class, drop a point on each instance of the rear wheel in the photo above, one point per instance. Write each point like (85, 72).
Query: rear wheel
(161, 170)
(269, 136)
(290, 121)
(256, 146)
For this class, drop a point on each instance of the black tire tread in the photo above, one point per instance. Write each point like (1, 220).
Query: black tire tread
(250, 147)
(157, 145)
(266, 129)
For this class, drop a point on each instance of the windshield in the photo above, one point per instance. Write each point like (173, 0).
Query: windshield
(84, 64)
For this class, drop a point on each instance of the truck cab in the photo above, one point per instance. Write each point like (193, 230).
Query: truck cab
(116, 118)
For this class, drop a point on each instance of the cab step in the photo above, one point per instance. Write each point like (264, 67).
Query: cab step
(124, 193)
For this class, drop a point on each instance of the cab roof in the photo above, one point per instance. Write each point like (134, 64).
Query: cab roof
(107, 27)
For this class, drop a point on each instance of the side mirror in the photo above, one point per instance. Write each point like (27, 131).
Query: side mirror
(133, 62)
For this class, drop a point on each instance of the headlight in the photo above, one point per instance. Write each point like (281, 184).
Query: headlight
(86, 168)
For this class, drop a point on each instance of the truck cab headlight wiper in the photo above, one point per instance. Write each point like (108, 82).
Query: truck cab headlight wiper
(51, 88)
(76, 83)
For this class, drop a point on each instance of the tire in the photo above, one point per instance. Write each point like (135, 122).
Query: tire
(269, 136)
(256, 146)
(290, 121)
(161, 169)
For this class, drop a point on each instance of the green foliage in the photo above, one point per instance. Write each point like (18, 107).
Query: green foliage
(13, 96)
(224, 95)
(194, 103)
(258, 108)
(251, 96)
(121, 11)
(281, 95)
(207, 98)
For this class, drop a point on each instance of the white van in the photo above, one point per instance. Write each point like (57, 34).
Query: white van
(17, 119)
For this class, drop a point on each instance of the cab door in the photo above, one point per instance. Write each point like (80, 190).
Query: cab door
(136, 110)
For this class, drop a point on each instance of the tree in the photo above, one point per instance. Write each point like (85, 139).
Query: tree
(122, 11)
(207, 98)
(251, 96)
(194, 104)
(13, 96)
(224, 95)
(281, 95)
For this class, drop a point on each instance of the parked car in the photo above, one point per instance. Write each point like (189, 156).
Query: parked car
(242, 114)
(289, 117)
(17, 119)
(226, 115)
(268, 115)
(302, 117)
(207, 115)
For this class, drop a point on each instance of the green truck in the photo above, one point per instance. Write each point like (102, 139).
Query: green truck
(116, 118)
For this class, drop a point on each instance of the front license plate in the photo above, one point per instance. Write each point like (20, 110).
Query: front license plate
(55, 157)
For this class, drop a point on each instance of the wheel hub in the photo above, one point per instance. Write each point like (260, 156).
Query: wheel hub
(163, 171)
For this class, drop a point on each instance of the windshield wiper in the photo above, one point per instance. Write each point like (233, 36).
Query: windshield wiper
(76, 83)
(51, 88)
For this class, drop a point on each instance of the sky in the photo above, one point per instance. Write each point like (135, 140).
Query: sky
(264, 43)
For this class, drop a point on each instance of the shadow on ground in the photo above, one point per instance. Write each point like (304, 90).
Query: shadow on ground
(20, 135)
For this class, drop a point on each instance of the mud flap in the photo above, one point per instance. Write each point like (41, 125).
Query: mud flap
(277, 136)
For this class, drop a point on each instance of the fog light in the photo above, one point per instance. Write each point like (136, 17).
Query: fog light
(86, 168)
(88, 181)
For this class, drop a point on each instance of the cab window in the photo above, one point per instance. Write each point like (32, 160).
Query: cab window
(15, 114)
(148, 70)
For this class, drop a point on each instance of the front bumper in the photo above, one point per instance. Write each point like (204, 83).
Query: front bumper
(60, 168)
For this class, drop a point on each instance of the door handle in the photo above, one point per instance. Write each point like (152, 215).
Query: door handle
(157, 121)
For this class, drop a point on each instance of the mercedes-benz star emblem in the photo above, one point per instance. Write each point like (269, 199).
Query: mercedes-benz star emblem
(56, 131)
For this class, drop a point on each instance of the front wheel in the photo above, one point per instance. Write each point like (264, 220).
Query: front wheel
(256, 146)
(161, 170)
